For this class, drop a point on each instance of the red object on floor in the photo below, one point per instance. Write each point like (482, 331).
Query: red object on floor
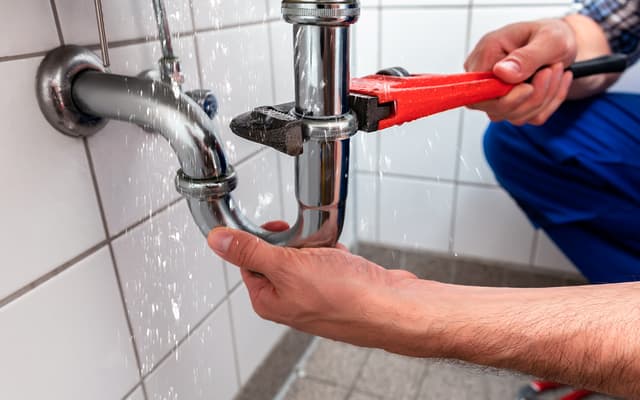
(418, 96)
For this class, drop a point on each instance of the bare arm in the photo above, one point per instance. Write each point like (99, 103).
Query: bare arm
(585, 336)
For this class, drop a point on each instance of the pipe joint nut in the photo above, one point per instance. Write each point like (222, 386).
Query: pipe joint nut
(321, 12)
(206, 189)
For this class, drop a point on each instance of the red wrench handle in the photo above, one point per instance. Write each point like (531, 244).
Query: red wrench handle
(419, 96)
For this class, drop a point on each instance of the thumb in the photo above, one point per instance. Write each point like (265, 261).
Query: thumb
(523, 62)
(246, 251)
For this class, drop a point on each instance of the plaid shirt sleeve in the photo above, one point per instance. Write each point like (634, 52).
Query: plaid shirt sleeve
(620, 20)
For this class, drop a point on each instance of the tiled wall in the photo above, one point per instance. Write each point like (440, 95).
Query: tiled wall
(107, 288)
(427, 184)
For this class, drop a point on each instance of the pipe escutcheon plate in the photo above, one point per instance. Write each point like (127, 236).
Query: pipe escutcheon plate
(54, 81)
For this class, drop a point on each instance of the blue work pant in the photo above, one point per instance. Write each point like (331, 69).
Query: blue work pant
(578, 178)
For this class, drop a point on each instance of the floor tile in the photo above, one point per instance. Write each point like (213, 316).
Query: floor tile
(336, 362)
(308, 389)
(391, 376)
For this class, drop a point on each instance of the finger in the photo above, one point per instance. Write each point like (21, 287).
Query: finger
(560, 97)
(247, 251)
(555, 82)
(507, 103)
(541, 84)
(276, 226)
(261, 292)
(523, 62)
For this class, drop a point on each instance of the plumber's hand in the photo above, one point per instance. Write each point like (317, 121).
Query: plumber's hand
(327, 292)
(514, 53)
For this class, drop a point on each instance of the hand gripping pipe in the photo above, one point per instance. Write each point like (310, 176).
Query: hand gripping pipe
(77, 96)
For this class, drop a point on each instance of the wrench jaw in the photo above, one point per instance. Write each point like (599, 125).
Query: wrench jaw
(273, 126)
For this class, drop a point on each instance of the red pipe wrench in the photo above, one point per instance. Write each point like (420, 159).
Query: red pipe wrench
(392, 97)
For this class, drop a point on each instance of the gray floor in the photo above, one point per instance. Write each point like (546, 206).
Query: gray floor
(344, 372)
(339, 371)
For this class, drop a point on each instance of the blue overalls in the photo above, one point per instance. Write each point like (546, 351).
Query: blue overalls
(578, 178)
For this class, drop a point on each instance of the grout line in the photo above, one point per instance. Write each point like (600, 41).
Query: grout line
(459, 140)
(116, 271)
(430, 179)
(190, 332)
(352, 387)
(24, 56)
(51, 274)
(56, 19)
(461, 6)
(133, 389)
(534, 246)
(141, 40)
(299, 366)
(146, 218)
(196, 45)
(378, 151)
(234, 341)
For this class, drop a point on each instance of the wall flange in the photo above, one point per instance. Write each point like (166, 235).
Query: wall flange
(53, 90)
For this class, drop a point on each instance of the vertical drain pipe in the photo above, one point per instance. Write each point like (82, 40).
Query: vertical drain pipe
(322, 75)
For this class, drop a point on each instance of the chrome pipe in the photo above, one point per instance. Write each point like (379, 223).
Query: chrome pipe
(321, 65)
(164, 32)
(205, 178)
(158, 107)
(169, 64)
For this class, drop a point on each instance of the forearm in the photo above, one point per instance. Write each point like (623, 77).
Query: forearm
(584, 336)
(591, 42)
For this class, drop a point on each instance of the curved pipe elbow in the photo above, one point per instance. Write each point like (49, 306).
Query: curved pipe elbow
(206, 179)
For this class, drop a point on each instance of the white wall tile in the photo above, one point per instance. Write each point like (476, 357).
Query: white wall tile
(528, 2)
(365, 149)
(549, 255)
(391, 3)
(254, 336)
(288, 167)
(220, 13)
(49, 200)
(235, 65)
(422, 148)
(170, 279)
(137, 395)
(486, 19)
(473, 163)
(124, 20)
(274, 8)
(28, 26)
(282, 45)
(258, 193)
(411, 38)
(416, 213)
(366, 43)
(490, 225)
(70, 336)
(202, 367)
(136, 169)
(366, 207)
